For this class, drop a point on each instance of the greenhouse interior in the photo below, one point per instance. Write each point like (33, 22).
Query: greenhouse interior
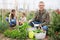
(29, 19)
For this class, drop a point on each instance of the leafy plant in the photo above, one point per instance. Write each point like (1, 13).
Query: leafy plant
(7, 15)
(23, 30)
(30, 15)
(3, 26)
(7, 33)
(20, 33)
(38, 31)
(12, 34)
(55, 26)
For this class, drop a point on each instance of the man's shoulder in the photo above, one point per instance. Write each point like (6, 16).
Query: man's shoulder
(46, 11)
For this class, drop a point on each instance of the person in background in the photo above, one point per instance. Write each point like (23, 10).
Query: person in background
(12, 18)
(41, 17)
(22, 19)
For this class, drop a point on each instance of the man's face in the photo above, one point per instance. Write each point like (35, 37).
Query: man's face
(41, 6)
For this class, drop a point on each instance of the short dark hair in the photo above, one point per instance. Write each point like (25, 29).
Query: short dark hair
(41, 2)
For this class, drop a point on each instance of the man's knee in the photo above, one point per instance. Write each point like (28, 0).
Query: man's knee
(45, 28)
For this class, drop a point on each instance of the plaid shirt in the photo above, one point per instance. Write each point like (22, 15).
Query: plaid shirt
(42, 16)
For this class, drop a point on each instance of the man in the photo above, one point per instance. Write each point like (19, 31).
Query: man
(41, 16)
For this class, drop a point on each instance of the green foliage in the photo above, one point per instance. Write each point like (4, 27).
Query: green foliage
(55, 26)
(38, 31)
(3, 26)
(30, 15)
(23, 30)
(7, 33)
(19, 34)
(7, 15)
(56, 21)
(12, 33)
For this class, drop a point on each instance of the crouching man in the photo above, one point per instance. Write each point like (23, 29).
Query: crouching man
(41, 17)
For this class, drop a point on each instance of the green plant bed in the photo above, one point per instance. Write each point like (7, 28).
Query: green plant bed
(23, 30)
(19, 33)
(15, 33)
(7, 33)
(12, 34)
(55, 26)
(3, 26)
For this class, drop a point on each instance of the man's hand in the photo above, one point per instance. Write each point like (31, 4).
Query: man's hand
(30, 20)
